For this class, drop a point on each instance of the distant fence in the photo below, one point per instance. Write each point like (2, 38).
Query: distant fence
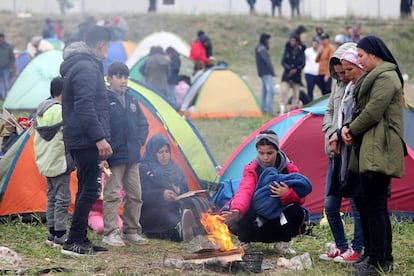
(317, 9)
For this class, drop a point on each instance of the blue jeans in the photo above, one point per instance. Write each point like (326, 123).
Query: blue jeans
(268, 93)
(89, 186)
(332, 210)
(4, 82)
(311, 81)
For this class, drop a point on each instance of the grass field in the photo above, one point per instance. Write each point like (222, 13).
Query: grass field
(234, 39)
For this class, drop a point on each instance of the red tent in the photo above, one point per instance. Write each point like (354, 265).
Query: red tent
(302, 139)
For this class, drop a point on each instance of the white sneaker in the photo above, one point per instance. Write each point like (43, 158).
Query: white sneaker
(332, 253)
(113, 239)
(283, 248)
(187, 223)
(133, 239)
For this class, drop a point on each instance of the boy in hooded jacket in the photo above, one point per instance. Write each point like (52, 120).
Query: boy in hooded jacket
(53, 162)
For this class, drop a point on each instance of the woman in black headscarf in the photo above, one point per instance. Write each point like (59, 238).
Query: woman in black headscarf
(163, 216)
(377, 155)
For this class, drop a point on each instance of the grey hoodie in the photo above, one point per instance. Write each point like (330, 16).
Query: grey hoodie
(330, 120)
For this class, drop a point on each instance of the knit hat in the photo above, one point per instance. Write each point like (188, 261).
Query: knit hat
(271, 137)
(351, 55)
(375, 46)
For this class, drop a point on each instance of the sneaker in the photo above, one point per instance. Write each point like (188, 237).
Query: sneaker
(133, 239)
(187, 222)
(77, 249)
(283, 248)
(113, 239)
(59, 242)
(348, 257)
(49, 239)
(332, 254)
(96, 248)
(372, 270)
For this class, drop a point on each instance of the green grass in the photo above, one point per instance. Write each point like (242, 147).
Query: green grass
(28, 240)
(234, 38)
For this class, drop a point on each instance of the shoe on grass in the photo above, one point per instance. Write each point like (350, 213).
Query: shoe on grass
(49, 239)
(77, 249)
(133, 239)
(59, 241)
(332, 254)
(348, 257)
(187, 223)
(113, 239)
(283, 248)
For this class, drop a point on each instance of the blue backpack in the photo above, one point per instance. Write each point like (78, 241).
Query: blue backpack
(225, 191)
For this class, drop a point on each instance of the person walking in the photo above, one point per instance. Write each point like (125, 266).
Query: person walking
(266, 72)
(7, 60)
(129, 130)
(53, 162)
(86, 128)
(376, 133)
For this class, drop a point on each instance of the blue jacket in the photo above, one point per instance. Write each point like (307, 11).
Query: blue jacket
(84, 99)
(129, 129)
(271, 207)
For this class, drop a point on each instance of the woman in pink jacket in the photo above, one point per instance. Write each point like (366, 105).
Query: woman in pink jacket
(242, 219)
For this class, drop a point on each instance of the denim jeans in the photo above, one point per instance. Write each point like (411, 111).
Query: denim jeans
(332, 209)
(89, 185)
(4, 82)
(311, 81)
(268, 93)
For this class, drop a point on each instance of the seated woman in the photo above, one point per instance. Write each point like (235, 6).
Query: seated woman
(267, 206)
(163, 216)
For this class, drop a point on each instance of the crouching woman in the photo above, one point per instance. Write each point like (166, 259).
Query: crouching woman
(267, 207)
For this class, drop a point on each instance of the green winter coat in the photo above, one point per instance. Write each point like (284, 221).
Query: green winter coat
(379, 127)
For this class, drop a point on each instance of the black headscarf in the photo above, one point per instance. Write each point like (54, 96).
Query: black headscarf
(374, 45)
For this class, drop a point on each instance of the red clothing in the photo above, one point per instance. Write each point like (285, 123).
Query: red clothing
(242, 199)
(198, 52)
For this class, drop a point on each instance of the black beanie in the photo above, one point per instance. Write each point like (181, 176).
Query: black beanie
(375, 46)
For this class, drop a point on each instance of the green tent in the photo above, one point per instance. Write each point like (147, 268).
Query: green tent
(32, 86)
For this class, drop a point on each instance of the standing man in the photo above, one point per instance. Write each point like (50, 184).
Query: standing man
(266, 72)
(326, 51)
(129, 130)
(6, 65)
(86, 129)
(293, 61)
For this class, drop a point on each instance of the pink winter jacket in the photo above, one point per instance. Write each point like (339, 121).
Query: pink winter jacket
(242, 199)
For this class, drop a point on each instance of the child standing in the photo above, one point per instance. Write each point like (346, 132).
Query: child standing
(53, 162)
(129, 130)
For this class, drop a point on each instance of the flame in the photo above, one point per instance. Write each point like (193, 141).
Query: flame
(217, 231)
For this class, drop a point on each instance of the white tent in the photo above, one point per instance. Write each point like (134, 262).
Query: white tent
(163, 39)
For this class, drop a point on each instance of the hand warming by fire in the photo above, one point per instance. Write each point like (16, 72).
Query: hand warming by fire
(217, 231)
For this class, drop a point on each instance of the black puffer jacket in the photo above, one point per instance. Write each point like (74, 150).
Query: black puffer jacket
(85, 105)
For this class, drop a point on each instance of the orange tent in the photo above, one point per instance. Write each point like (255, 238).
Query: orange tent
(22, 188)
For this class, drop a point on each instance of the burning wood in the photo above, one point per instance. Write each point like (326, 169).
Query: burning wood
(217, 231)
(220, 247)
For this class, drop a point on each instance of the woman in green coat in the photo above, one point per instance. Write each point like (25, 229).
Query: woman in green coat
(376, 132)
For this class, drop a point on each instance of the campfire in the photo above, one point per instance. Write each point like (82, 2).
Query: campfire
(220, 247)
